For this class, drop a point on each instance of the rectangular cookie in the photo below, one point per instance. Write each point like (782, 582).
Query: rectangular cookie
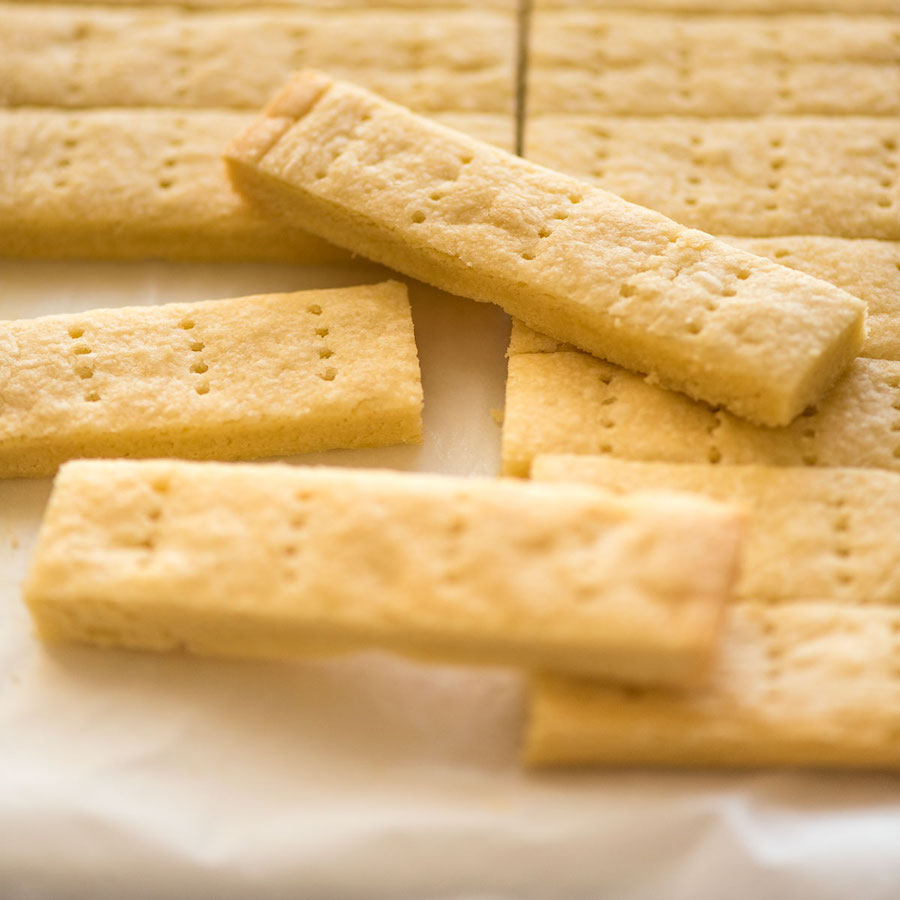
(570, 402)
(271, 561)
(617, 280)
(134, 184)
(806, 684)
(89, 56)
(637, 64)
(827, 175)
(223, 379)
(338, 5)
(721, 6)
(827, 534)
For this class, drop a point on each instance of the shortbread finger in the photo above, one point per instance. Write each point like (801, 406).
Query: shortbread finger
(88, 56)
(579, 264)
(133, 184)
(570, 402)
(268, 561)
(806, 684)
(635, 64)
(729, 6)
(779, 175)
(823, 533)
(341, 5)
(222, 379)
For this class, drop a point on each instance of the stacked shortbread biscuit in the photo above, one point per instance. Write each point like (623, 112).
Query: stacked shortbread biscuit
(706, 208)
(782, 130)
(113, 119)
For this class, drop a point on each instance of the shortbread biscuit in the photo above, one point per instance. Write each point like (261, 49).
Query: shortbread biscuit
(223, 379)
(131, 185)
(145, 183)
(269, 561)
(340, 5)
(634, 64)
(805, 684)
(869, 270)
(722, 6)
(432, 61)
(828, 175)
(823, 533)
(579, 264)
(569, 402)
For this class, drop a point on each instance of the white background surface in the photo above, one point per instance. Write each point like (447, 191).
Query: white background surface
(132, 776)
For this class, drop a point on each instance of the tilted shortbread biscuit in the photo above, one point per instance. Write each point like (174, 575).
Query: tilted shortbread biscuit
(775, 175)
(824, 533)
(93, 56)
(222, 379)
(570, 402)
(635, 64)
(132, 184)
(579, 264)
(272, 560)
(801, 684)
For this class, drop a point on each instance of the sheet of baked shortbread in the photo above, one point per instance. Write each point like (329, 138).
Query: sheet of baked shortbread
(805, 684)
(823, 533)
(570, 402)
(868, 269)
(830, 175)
(579, 264)
(267, 561)
(129, 184)
(613, 63)
(71, 56)
(222, 379)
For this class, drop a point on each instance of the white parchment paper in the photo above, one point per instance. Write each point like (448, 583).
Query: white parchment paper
(136, 776)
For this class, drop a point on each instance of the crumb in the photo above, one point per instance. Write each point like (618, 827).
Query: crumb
(497, 416)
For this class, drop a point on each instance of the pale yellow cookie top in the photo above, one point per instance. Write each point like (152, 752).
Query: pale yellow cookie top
(270, 357)
(377, 553)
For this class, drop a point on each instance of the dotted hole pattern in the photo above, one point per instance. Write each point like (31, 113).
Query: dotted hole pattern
(198, 366)
(327, 372)
(82, 364)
